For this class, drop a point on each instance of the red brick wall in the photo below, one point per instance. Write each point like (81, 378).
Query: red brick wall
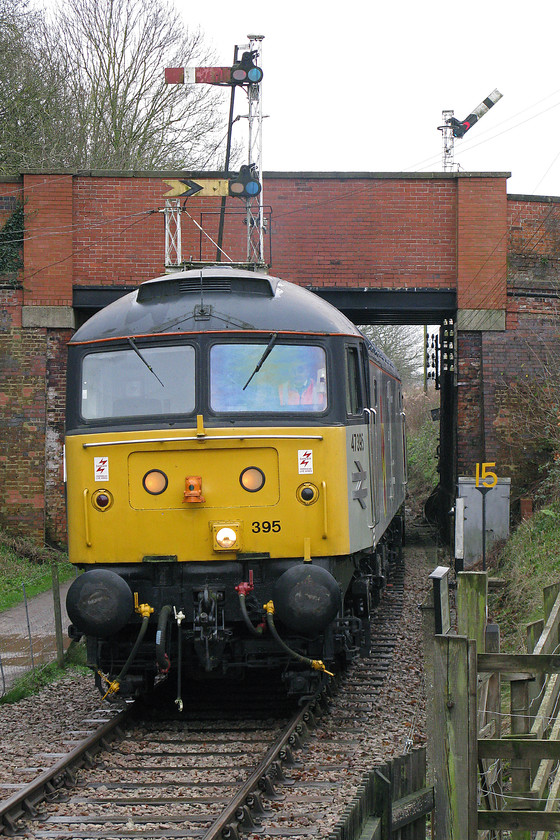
(382, 232)
(22, 421)
(389, 233)
(119, 235)
(490, 361)
(470, 405)
(55, 513)
(534, 242)
(48, 249)
(481, 243)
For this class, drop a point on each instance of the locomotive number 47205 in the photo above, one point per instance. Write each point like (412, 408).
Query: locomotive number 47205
(357, 442)
(266, 527)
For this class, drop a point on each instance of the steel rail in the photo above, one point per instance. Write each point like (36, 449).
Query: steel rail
(49, 782)
(225, 825)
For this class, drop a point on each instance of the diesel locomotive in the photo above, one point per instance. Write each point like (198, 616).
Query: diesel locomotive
(235, 468)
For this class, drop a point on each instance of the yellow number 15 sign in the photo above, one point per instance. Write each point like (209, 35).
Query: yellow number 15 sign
(484, 477)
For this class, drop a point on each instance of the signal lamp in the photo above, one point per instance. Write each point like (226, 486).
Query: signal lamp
(246, 184)
(246, 72)
(155, 482)
(252, 479)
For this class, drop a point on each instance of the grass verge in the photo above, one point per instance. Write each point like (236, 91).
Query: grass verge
(22, 563)
(529, 561)
(33, 681)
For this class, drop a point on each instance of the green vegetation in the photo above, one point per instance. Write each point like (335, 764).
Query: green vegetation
(11, 242)
(33, 681)
(23, 563)
(421, 453)
(529, 561)
(422, 437)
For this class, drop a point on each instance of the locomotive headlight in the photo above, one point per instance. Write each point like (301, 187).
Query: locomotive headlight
(252, 479)
(155, 482)
(226, 536)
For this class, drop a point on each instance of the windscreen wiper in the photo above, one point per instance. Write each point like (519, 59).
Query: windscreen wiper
(139, 354)
(264, 356)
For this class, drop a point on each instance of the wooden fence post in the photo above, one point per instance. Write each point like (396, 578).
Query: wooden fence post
(428, 633)
(382, 804)
(550, 593)
(455, 757)
(520, 769)
(472, 598)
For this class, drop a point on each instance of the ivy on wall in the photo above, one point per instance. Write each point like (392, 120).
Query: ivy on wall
(11, 244)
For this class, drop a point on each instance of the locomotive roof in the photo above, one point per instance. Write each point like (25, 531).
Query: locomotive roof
(215, 298)
(218, 298)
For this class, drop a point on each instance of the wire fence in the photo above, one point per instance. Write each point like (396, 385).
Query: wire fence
(33, 633)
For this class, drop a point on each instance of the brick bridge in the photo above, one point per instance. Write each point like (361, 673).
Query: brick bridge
(411, 248)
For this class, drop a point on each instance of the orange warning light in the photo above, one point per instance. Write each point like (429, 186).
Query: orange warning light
(193, 489)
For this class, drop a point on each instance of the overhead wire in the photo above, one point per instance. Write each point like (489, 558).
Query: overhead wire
(73, 253)
(357, 190)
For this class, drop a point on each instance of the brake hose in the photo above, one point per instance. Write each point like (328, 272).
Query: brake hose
(316, 664)
(259, 629)
(161, 638)
(115, 684)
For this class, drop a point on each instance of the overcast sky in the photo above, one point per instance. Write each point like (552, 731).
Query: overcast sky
(360, 86)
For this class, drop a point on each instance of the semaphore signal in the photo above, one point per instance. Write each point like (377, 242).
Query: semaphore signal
(246, 74)
(453, 128)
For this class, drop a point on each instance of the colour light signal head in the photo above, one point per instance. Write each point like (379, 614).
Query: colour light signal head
(246, 72)
(246, 184)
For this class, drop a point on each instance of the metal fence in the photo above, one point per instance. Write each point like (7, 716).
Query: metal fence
(33, 633)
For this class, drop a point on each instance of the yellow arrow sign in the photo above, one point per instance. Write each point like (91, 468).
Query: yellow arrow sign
(202, 188)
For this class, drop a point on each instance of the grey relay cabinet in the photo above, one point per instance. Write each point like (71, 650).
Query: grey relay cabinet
(468, 518)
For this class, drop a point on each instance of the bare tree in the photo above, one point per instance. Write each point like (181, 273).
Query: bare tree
(403, 345)
(114, 53)
(35, 115)
(527, 421)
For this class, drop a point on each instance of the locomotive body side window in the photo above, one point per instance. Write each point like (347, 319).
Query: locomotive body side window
(354, 398)
(126, 383)
(248, 377)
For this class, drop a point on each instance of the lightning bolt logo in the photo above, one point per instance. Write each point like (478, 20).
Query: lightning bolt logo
(101, 468)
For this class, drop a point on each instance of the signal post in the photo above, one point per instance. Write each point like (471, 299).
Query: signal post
(244, 73)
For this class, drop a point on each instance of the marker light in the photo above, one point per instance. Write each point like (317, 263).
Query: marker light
(307, 493)
(252, 479)
(102, 500)
(155, 482)
(226, 537)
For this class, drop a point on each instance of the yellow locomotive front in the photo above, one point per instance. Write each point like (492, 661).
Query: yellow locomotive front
(147, 496)
(209, 453)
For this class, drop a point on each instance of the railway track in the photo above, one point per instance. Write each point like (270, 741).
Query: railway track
(229, 765)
